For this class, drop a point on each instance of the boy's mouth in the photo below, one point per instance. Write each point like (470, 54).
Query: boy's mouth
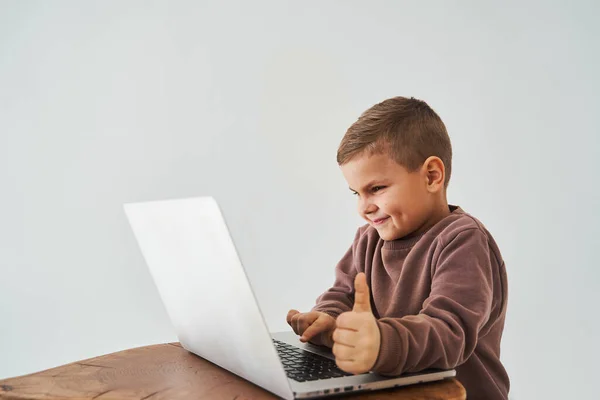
(379, 221)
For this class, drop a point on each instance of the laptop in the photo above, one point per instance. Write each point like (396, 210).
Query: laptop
(204, 288)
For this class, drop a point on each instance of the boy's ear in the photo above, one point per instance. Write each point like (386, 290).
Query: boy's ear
(435, 173)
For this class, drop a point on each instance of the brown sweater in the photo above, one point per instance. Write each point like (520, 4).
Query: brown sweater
(439, 299)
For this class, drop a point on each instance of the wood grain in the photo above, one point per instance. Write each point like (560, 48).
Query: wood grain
(167, 371)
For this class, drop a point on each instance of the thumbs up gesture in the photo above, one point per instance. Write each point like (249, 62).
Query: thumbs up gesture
(356, 337)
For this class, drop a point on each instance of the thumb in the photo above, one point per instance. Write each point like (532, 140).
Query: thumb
(362, 300)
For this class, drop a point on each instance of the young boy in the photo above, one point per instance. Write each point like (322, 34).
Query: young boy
(438, 281)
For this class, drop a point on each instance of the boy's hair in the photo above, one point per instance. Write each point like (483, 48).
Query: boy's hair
(407, 129)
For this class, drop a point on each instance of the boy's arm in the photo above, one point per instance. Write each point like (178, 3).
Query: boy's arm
(445, 332)
(340, 297)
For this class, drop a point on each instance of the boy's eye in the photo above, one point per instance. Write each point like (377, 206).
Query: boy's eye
(375, 189)
(354, 193)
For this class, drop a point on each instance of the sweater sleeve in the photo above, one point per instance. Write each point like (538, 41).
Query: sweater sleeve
(340, 297)
(445, 332)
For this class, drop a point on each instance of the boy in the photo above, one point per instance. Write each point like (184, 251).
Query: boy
(438, 281)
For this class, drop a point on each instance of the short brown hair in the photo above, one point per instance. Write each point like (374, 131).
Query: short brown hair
(408, 129)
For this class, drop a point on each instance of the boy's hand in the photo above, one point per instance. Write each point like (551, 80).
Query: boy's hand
(357, 338)
(313, 326)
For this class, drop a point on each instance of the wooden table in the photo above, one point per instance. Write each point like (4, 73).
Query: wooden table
(167, 371)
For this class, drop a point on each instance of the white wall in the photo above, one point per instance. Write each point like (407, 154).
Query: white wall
(108, 102)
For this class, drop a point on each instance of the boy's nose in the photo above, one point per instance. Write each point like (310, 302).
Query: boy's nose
(366, 207)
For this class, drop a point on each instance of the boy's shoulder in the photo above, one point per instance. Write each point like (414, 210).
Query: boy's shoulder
(458, 222)
(471, 230)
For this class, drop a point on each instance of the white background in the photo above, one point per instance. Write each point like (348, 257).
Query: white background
(103, 103)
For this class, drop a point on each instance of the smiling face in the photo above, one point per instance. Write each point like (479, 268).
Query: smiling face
(396, 202)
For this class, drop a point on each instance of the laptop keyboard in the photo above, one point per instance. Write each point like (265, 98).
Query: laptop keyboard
(301, 365)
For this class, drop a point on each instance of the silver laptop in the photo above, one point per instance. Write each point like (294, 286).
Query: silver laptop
(208, 297)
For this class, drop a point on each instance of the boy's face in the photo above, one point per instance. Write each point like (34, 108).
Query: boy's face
(396, 202)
